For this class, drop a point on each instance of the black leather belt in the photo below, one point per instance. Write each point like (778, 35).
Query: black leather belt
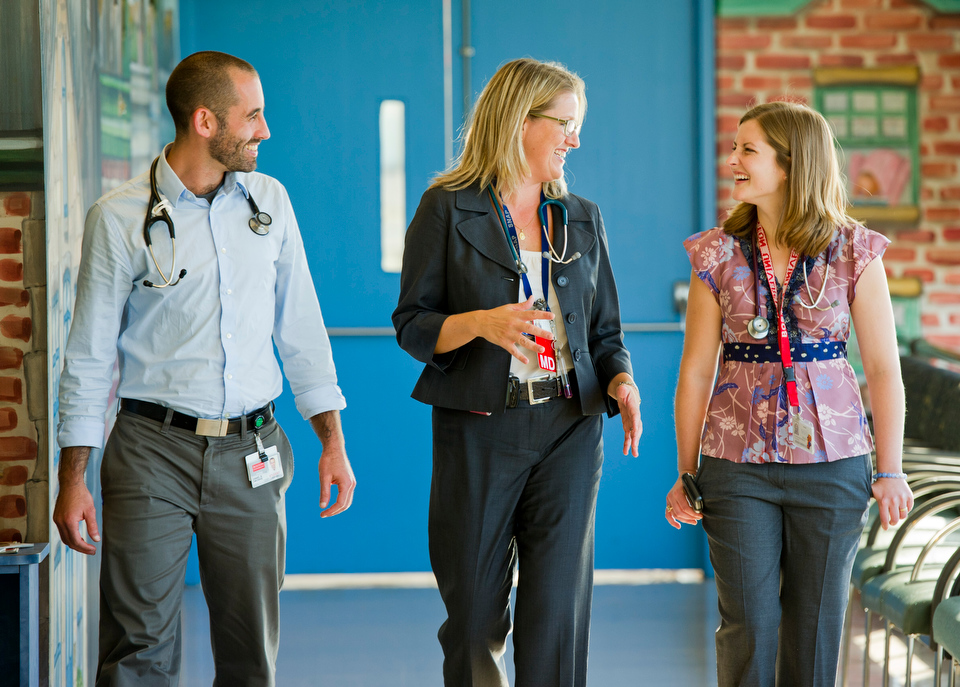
(534, 391)
(201, 426)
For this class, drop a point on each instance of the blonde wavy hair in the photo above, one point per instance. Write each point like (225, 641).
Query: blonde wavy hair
(815, 197)
(493, 138)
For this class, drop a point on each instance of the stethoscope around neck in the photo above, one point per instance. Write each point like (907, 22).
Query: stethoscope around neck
(759, 327)
(158, 211)
(550, 254)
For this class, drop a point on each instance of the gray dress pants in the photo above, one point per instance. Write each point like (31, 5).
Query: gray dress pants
(520, 486)
(162, 485)
(782, 543)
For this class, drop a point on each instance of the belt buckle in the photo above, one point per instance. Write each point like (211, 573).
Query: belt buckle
(530, 396)
(212, 428)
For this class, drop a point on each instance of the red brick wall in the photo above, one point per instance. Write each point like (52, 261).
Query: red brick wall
(18, 432)
(765, 58)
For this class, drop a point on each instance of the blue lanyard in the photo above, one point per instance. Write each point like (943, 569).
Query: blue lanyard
(511, 232)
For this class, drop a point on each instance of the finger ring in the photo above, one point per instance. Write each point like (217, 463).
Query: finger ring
(669, 508)
(903, 510)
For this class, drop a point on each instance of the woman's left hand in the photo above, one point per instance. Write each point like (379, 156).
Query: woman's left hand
(894, 499)
(628, 398)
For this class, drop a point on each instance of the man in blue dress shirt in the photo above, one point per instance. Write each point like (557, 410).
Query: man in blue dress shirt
(192, 319)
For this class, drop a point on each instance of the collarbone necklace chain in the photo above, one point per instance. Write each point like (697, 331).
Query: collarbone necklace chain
(522, 230)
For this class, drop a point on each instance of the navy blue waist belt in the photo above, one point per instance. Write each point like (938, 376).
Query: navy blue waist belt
(769, 353)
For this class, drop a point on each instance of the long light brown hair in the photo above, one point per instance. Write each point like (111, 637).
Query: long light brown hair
(815, 197)
(493, 138)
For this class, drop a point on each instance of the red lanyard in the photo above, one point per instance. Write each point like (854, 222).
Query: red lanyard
(784, 339)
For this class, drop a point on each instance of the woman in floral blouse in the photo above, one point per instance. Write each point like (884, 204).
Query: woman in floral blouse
(780, 435)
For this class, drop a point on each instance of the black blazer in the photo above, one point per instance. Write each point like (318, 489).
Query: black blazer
(456, 259)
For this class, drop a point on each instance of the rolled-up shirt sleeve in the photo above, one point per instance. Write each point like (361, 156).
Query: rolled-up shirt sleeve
(103, 286)
(299, 332)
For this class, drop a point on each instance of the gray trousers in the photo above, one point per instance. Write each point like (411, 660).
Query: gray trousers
(162, 485)
(521, 485)
(782, 543)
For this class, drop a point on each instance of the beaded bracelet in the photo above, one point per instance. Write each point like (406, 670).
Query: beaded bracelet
(890, 475)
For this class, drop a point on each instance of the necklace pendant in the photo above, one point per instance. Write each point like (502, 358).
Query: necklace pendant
(523, 237)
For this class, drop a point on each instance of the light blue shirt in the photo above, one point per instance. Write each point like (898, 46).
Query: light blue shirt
(205, 346)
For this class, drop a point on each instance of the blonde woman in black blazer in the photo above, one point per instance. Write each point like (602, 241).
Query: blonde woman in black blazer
(515, 476)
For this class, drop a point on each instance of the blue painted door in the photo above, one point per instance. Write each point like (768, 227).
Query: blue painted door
(326, 66)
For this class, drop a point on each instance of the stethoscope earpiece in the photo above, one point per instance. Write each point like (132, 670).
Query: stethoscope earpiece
(552, 254)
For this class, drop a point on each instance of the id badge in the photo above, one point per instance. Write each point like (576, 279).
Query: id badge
(264, 465)
(802, 434)
(548, 359)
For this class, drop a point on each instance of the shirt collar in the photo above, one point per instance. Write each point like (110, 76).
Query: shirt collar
(170, 186)
(168, 183)
(236, 180)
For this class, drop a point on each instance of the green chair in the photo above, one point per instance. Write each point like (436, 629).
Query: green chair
(904, 597)
(946, 632)
(872, 555)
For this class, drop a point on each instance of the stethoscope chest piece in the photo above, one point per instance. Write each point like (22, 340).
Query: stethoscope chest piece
(758, 327)
(260, 223)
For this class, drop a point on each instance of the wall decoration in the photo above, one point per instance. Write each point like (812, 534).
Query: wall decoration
(103, 121)
(873, 113)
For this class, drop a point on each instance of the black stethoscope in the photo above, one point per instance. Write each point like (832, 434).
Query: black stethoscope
(758, 327)
(551, 253)
(157, 211)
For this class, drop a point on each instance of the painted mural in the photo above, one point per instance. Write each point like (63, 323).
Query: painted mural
(105, 64)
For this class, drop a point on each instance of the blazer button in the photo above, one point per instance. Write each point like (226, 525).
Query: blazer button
(562, 281)
(572, 317)
(576, 355)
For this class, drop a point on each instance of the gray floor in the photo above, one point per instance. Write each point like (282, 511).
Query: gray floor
(660, 634)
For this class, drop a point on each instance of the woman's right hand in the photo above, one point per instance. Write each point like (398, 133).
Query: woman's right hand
(505, 327)
(678, 510)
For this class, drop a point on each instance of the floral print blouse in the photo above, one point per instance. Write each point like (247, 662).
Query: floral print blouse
(748, 417)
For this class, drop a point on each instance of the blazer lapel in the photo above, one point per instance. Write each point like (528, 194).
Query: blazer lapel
(484, 232)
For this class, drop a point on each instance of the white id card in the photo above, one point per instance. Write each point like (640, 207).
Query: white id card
(263, 466)
(802, 434)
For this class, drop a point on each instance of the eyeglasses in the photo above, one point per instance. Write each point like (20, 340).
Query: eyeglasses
(569, 125)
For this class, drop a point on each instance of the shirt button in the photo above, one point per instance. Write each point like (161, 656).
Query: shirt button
(562, 281)
(229, 291)
(576, 355)
(572, 317)
(229, 376)
(223, 250)
(229, 336)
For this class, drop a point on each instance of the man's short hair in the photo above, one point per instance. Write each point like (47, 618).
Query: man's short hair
(203, 80)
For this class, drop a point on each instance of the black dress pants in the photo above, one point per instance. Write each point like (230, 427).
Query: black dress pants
(516, 487)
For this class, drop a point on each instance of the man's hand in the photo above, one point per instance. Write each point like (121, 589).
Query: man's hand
(74, 502)
(334, 466)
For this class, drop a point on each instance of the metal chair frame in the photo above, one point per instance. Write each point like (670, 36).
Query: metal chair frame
(932, 507)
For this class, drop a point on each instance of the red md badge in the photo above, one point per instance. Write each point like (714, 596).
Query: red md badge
(547, 359)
